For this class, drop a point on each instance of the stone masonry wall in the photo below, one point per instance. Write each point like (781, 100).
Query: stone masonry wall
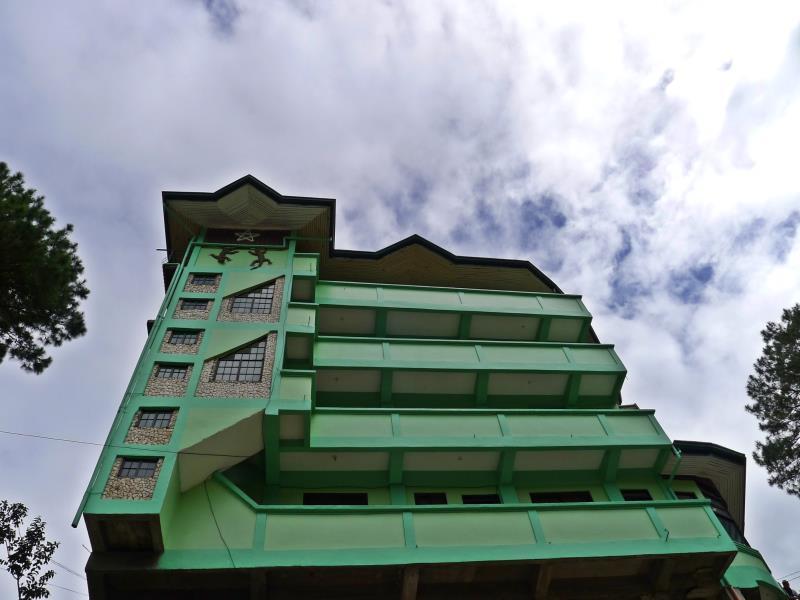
(273, 316)
(130, 488)
(202, 289)
(240, 389)
(192, 314)
(166, 387)
(150, 435)
(168, 348)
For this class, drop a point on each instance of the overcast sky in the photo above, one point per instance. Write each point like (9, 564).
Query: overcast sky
(644, 156)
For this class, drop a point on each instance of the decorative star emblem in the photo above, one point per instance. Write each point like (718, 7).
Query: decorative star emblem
(246, 236)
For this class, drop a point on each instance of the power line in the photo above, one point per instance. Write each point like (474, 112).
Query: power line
(219, 531)
(67, 589)
(85, 443)
(67, 569)
(787, 575)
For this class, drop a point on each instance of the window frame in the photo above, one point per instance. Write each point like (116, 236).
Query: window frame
(132, 468)
(561, 497)
(214, 277)
(636, 492)
(156, 420)
(183, 332)
(245, 302)
(481, 499)
(430, 498)
(197, 301)
(172, 368)
(232, 373)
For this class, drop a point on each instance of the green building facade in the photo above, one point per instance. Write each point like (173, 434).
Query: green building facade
(309, 422)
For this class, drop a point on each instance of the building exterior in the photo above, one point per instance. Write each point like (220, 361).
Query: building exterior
(309, 422)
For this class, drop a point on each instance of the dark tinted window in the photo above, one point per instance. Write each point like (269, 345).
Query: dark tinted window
(480, 499)
(542, 497)
(636, 495)
(334, 498)
(430, 498)
(686, 495)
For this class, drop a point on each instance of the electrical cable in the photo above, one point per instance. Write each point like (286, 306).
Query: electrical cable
(67, 589)
(67, 569)
(219, 531)
(85, 443)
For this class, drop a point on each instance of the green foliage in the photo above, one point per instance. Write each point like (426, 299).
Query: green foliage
(775, 391)
(26, 553)
(40, 284)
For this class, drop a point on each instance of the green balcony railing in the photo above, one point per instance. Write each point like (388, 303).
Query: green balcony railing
(276, 535)
(416, 311)
(460, 373)
(553, 429)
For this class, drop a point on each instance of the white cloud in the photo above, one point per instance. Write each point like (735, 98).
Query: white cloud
(569, 135)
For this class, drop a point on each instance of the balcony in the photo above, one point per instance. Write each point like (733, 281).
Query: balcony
(281, 535)
(429, 312)
(460, 374)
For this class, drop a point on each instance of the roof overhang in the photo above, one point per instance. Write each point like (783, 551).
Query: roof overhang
(249, 203)
(725, 467)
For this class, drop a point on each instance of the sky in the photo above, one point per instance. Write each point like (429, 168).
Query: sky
(641, 154)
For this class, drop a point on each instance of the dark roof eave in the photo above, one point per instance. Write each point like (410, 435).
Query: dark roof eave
(330, 203)
(710, 449)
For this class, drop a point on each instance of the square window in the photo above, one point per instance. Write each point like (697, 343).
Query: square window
(172, 371)
(193, 304)
(204, 279)
(155, 419)
(185, 337)
(137, 468)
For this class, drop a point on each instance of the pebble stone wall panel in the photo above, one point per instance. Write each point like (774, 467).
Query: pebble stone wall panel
(150, 435)
(273, 316)
(167, 387)
(168, 348)
(130, 488)
(201, 289)
(239, 389)
(198, 315)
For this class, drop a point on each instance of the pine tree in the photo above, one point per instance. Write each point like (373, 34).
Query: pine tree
(40, 277)
(775, 391)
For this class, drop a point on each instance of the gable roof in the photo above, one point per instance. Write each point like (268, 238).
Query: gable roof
(248, 202)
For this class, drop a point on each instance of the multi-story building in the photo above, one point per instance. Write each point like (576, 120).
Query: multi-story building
(310, 422)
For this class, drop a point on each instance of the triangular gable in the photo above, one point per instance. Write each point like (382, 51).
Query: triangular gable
(223, 341)
(236, 282)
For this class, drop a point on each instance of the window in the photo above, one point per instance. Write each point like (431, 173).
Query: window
(243, 365)
(172, 371)
(686, 495)
(480, 499)
(334, 498)
(255, 301)
(155, 419)
(204, 279)
(636, 495)
(192, 304)
(430, 498)
(543, 497)
(183, 337)
(134, 468)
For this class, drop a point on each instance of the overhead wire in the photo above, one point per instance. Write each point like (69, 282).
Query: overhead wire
(86, 443)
